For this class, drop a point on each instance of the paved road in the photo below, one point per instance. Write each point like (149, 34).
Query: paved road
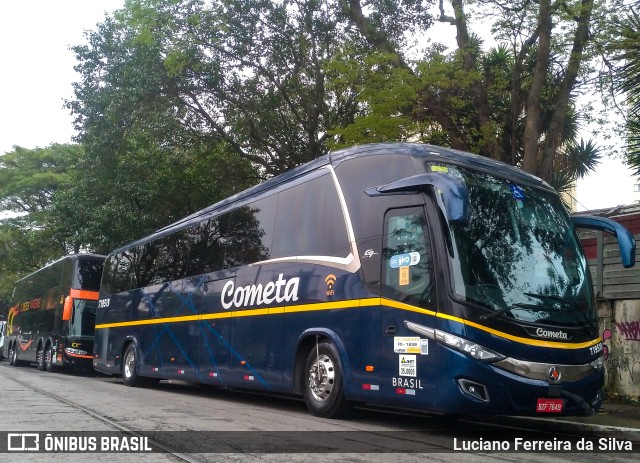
(196, 424)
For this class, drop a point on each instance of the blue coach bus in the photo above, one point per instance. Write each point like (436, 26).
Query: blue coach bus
(401, 275)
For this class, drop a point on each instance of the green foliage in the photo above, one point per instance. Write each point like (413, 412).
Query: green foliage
(145, 187)
(249, 74)
(626, 50)
(30, 178)
(386, 96)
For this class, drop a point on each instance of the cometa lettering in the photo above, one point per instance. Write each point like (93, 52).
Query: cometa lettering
(279, 291)
(551, 334)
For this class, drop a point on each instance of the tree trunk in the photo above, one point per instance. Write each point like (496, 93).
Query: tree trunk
(532, 126)
(561, 107)
(490, 143)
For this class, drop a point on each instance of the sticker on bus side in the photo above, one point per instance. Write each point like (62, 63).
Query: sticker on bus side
(406, 344)
(424, 347)
(408, 365)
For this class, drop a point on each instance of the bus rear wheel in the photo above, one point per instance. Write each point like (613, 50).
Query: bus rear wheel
(40, 362)
(324, 382)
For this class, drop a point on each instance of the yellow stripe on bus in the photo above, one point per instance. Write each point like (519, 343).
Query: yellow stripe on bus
(350, 304)
(532, 342)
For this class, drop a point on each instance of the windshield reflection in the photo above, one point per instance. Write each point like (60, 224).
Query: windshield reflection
(83, 320)
(518, 255)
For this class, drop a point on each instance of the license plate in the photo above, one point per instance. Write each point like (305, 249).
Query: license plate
(549, 406)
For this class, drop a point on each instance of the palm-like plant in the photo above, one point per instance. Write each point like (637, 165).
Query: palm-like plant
(627, 50)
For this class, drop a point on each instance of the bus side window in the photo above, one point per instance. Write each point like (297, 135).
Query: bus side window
(406, 255)
(311, 212)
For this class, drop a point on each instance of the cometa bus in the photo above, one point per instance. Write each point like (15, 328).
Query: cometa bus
(400, 275)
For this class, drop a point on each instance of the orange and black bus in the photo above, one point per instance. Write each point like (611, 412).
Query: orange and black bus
(53, 320)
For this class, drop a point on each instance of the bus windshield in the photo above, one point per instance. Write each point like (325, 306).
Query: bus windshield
(83, 320)
(518, 256)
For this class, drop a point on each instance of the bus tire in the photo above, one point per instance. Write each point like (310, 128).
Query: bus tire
(10, 353)
(48, 358)
(40, 363)
(130, 376)
(13, 357)
(324, 382)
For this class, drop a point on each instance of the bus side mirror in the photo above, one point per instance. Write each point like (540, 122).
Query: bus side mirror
(626, 241)
(67, 309)
(454, 192)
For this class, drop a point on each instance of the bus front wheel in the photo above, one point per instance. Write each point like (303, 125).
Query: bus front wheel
(324, 382)
(13, 355)
(130, 376)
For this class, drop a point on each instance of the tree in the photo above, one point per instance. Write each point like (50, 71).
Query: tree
(514, 103)
(625, 50)
(249, 73)
(31, 179)
(144, 186)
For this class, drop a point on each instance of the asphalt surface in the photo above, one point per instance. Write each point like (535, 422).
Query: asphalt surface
(613, 413)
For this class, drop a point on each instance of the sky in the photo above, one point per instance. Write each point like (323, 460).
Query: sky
(37, 73)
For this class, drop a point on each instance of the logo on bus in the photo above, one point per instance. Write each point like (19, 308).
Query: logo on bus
(554, 374)
(279, 291)
(541, 332)
(330, 280)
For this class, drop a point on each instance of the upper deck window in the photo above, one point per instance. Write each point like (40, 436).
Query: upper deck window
(88, 274)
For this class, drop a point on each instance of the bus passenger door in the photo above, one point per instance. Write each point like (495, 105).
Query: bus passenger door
(408, 294)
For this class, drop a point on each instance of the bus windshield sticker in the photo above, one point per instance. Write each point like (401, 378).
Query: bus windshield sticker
(404, 276)
(517, 192)
(406, 344)
(404, 260)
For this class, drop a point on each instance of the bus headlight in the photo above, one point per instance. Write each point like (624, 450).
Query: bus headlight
(456, 342)
(598, 364)
(71, 351)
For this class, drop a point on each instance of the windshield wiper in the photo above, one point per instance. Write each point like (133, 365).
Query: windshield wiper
(561, 299)
(552, 297)
(509, 307)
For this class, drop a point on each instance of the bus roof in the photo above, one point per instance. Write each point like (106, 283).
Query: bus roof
(416, 150)
(68, 257)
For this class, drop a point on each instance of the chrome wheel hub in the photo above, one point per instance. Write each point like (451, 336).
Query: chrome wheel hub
(322, 377)
(129, 364)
